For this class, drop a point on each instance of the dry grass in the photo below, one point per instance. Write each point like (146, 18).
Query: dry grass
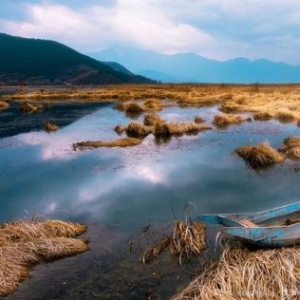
(153, 104)
(137, 130)
(292, 147)
(162, 128)
(189, 128)
(3, 105)
(279, 101)
(152, 119)
(29, 107)
(24, 244)
(262, 116)
(54, 248)
(224, 120)
(260, 156)
(50, 126)
(292, 141)
(241, 274)
(119, 129)
(123, 142)
(285, 116)
(130, 107)
(188, 239)
(199, 120)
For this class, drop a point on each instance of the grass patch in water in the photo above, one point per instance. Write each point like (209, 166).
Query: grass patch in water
(27, 107)
(188, 239)
(3, 105)
(50, 126)
(260, 156)
(224, 120)
(123, 142)
(24, 244)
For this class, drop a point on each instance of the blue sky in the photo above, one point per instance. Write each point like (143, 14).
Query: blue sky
(218, 29)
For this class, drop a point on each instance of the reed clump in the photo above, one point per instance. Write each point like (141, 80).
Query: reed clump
(137, 130)
(3, 105)
(151, 119)
(292, 147)
(292, 141)
(263, 116)
(24, 244)
(153, 104)
(285, 116)
(27, 107)
(130, 107)
(260, 156)
(224, 120)
(242, 274)
(188, 239)
(50, 126)
(123, 142)
(180, 128)
(119, 129)
(199, 120)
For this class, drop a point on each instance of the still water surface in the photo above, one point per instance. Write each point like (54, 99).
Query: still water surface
(128, 188)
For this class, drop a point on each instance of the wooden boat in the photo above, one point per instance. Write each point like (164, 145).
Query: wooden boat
(278, 227)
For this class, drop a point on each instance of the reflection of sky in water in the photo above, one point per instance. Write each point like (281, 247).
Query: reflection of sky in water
(39, 172)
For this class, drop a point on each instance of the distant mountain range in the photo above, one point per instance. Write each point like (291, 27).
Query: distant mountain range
(189, 67)
(35, 61)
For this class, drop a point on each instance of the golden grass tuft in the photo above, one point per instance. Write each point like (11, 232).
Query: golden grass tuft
(54, 248)
(119, 129)
(3, 105)
(285, 116)
(292, 152)
(188, 239)
(292, 147)
(224, 120)
(136, 130)
(230, 107)
(199, 120)
(29, 107)
(130, 107)
(155, 251)
(189, 128)
(24, 244)
(123, 142)
(153, 104)
(263, 116)
(260, 156)
(50, 126)
(151, 119)
(242, 274)
(10, 276)
(292, 141)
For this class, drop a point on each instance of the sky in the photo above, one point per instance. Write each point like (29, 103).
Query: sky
(217, 29)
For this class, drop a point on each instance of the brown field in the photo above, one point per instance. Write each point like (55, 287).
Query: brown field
(281, 102)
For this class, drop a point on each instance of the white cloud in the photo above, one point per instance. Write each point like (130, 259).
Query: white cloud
(129, 22)
(213, 28)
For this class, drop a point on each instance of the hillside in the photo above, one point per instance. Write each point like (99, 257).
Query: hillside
(34, 61)
(189, 67)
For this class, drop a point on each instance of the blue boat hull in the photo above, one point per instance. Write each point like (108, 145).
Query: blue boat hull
(277, 236)
(260, 218)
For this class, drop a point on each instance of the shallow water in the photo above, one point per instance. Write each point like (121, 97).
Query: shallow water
(126, 189)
